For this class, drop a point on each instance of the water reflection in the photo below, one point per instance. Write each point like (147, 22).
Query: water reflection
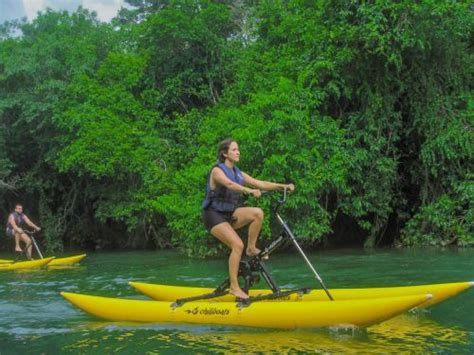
(407, 333)
(419, 333)
(75, 267)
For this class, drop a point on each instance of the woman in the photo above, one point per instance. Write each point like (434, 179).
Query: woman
(221, 215)
(16, 222)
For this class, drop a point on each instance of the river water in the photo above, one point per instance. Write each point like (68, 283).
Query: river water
(35, 319)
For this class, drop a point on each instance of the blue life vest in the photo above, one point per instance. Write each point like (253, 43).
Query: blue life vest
(19, 219)
(223, 199)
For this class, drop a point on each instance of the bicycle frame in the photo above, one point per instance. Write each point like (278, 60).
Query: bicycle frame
(251, 270)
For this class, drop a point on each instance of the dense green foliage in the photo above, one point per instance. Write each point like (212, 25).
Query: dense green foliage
(108, 130)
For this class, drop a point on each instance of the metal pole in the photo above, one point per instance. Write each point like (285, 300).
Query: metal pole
(293, 239)
(36, 247)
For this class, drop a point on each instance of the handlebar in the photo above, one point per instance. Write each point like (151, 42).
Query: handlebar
(285, 196)
(282, 201)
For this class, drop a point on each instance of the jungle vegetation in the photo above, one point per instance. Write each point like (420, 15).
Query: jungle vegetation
(108, 130)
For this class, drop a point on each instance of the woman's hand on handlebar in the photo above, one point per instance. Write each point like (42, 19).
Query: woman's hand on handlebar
(255, 192)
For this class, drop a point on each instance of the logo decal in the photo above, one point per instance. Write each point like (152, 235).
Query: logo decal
(208, 311)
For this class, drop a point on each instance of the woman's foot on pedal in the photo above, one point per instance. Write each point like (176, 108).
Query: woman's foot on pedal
(237, 292)
(254, 252)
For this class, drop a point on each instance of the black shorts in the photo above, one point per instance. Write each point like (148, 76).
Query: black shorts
(212, 218)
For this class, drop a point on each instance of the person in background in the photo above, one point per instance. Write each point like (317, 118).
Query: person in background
(221, 214)
(16, 222)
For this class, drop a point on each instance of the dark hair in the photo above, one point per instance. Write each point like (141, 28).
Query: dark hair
(223, 148)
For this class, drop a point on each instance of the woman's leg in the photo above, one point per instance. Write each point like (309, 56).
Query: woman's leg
(24, 238)
(227, 235)
(253, 217)
(17, 241)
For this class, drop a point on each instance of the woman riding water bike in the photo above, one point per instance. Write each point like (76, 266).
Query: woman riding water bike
(15, 224)
(222, 216)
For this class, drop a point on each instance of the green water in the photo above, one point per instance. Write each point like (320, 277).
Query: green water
(35, 319)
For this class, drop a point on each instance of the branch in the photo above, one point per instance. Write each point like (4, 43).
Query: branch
(11, 184)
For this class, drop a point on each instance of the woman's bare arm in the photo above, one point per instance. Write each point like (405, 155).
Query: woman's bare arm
(31, 224)
(12, 222)
(219, 177)
(266, 185)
